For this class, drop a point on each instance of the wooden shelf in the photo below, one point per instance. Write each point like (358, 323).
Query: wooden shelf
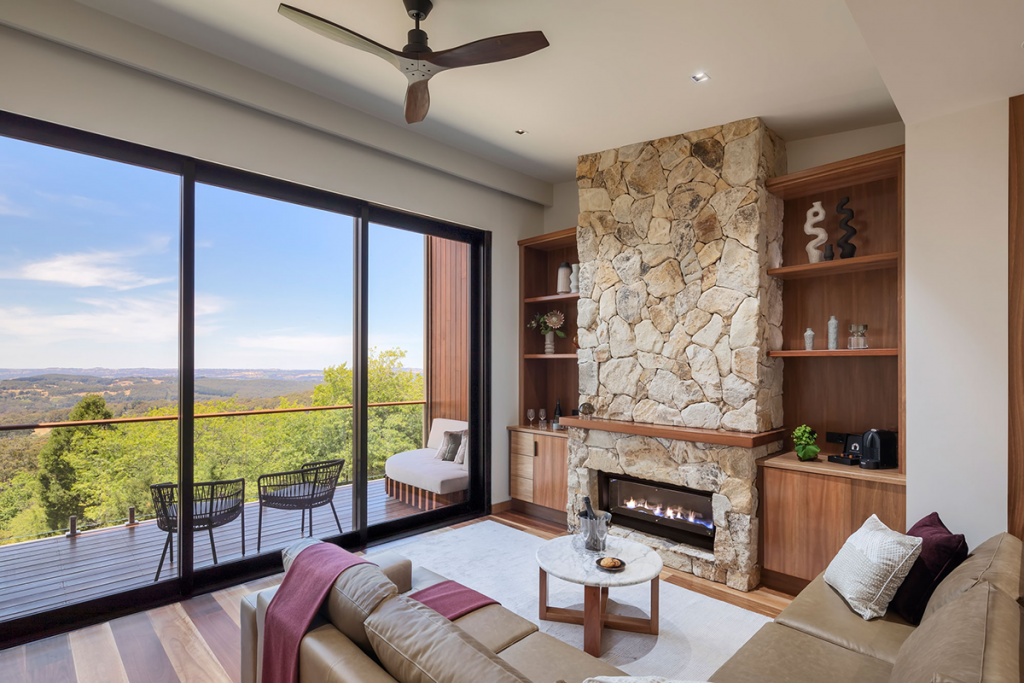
(549, 356)
(550, 241)
(552, 297)
(527, 429)
(837, 267)
(837, 353)
(790, 461)
(887, 163)
(712, 436)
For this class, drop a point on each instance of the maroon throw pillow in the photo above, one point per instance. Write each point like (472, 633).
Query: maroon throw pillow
(941, 553)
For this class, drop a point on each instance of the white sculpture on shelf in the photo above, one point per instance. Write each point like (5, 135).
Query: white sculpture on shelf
(815, 215)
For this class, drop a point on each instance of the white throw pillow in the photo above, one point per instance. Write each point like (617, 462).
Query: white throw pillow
(871, 565)
(460, 457)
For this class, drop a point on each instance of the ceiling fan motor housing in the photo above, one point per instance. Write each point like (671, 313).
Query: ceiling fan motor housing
(418, 9)
(417, 41)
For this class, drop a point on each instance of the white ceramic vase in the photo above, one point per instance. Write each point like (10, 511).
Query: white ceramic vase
(564, 275)
(833, 334)
(809, 339)
(574, 278)
(549, 342)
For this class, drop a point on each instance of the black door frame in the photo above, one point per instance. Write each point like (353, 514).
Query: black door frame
(192, 171)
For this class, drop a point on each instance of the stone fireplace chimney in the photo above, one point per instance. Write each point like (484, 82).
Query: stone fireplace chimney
(676, 317)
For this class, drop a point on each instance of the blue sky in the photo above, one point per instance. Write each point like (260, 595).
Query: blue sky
(89, 272)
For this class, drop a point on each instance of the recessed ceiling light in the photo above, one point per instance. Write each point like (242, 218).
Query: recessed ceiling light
(520, 131)
(700, 77)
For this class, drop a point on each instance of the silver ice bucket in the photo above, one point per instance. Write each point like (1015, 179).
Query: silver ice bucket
(594, 532)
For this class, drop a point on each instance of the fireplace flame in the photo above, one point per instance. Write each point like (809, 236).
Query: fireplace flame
(659, 510)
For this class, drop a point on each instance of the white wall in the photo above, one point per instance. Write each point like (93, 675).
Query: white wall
(811, 152)
(956, 307)
(565, 211)
(56, 83)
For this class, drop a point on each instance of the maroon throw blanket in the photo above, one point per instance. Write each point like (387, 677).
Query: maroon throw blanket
(297, 601)
(452, 600)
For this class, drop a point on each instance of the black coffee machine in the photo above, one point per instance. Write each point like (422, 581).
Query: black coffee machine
(873, 450)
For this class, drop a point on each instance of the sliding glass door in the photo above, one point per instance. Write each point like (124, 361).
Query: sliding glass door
(200, 366)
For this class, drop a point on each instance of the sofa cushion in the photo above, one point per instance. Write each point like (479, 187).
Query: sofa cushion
(941, 553)
(972, 639)
(871, 565)
(495, 627)
(326, 656)
(779, 654)
(821, 612)
(545, 659)
(417, 645)
(997, 561)
(421, 469)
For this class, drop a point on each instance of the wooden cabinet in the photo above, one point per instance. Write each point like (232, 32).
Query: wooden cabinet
(808, 510)
(538, 472)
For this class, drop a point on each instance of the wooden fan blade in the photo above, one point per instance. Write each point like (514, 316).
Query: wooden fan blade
(489, 50)
(417, 102)
(339, 33)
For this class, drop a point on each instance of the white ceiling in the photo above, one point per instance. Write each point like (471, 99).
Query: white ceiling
(942, 56)
(615, 73)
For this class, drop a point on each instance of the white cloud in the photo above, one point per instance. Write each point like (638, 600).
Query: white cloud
(87, 269)
(304, 344)
(84, 203)
(129, 319)
(9, 208)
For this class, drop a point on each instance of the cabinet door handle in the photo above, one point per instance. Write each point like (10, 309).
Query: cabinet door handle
(535, 448)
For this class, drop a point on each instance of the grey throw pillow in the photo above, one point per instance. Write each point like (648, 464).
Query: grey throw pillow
(460, 456)
(449, 447)
(871, 565)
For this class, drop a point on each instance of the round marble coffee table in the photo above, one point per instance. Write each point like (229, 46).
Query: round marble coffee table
(560, 558)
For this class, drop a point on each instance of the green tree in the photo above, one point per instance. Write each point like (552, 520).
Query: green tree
(57, 475)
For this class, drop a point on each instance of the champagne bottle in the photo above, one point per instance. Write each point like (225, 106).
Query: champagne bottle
(558, 414)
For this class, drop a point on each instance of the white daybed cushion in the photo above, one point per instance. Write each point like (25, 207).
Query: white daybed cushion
(439, 426)
(421, 469)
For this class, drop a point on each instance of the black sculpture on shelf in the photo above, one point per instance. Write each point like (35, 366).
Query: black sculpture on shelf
(847, 250)
(829, 252)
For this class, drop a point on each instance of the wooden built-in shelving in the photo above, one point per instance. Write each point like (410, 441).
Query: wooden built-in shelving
(832, 353)
(535, 429)
(552, 297)
(858, 264)
(712, 436)
(809, 509)
(790, 461)
(549, 356)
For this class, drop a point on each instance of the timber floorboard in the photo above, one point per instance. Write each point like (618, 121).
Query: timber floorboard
(199, 639)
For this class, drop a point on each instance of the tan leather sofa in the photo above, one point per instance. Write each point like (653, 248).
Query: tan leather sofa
(970, 633)
(490, 644)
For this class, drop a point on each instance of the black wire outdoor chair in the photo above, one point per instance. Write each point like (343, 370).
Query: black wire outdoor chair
(310, 486)
(214, 504)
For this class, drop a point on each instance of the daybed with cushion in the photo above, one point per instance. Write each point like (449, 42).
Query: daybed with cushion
(421, 479)
(970, 633)
(368, 631)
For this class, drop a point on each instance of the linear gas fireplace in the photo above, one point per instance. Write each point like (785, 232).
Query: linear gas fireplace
(673, 512)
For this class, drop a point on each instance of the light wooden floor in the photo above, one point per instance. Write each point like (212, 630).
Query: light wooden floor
(198, 640)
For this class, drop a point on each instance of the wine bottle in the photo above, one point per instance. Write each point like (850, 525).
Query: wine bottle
(558, 414)
(590, 508)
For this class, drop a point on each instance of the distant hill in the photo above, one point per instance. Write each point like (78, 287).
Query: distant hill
(315, 376)
(46, 397)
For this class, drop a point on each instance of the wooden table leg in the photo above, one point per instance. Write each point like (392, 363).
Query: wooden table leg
(604, 600)
(654, 605)
(593, 621)
(543, 594)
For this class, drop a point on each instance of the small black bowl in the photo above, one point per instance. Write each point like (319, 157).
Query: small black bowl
(614, 570)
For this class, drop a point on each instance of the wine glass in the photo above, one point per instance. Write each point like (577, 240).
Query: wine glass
(543, 419)
(530, 415)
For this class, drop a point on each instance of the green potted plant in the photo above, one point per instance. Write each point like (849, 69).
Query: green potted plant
(803, 438)
(548, 324)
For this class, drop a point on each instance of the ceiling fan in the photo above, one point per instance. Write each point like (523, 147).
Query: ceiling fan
(417, 61)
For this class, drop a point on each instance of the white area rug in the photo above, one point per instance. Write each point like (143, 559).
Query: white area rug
(698, 633)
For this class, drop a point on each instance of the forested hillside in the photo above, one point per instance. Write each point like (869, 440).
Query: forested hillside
(97, 472)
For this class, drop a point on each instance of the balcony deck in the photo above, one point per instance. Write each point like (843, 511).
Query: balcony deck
(52, 572)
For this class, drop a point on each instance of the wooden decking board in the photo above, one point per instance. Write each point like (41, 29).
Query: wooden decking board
(58, 571)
